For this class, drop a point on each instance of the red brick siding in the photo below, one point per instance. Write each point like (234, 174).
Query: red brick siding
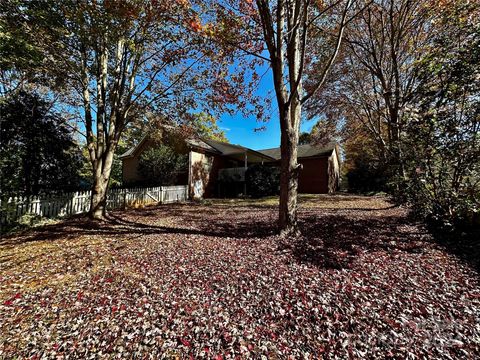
(313, 177)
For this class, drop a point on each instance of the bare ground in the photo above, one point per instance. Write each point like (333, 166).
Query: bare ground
(214, 281)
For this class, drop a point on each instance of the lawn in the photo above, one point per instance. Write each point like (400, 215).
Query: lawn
(213, 280)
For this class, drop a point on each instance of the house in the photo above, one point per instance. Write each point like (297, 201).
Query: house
(211, 163)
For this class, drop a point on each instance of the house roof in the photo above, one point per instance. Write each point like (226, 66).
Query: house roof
(233, 150)
(130, 152)
(202, 144)
(223, 148)
(304, 151)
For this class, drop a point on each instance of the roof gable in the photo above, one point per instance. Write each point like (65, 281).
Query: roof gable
(202, 144)
(223, 148)
(131, 152)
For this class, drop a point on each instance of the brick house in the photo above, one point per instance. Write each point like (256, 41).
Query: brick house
(211, 162)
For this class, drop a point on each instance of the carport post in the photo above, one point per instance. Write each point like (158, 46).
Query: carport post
(244, 176)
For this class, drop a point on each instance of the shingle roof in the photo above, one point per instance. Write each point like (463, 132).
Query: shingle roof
(225, 148)
(233, 149)
(131, 151)
(304, 151)
(199, 143)
(128, 153)
(202, 144)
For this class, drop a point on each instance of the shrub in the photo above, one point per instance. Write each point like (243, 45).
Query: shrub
(367, 175)
(161, 165)
(442, 138)
(443, 171)
(262, 180)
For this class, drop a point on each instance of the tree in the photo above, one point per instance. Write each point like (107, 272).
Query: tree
(18, 52)
(200, 124)
(116, 60)
(442, 139)
(304, 138)
(37, 150)
(302, 41)
(262, 180)
(363, 166)
(205, 125)
(322, 133)
(161, 164)
(377, 75)
(405, 90)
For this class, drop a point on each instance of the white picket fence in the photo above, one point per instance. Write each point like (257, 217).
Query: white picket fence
(60, 205)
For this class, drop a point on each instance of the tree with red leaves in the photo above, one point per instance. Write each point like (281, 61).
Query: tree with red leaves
(300, 40)
(113, 62)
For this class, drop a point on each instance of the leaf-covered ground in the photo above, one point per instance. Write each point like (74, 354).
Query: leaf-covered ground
(213, 281)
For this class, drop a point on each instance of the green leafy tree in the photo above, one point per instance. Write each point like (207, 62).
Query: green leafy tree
(443, 136)
(20, 54)
(363, 167)
(161, 164)
(205, 125)
(37, 151)
(262, 180)
(304, 138)
(322, 133)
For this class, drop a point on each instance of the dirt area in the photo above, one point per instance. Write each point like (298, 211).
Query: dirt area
(213, 280)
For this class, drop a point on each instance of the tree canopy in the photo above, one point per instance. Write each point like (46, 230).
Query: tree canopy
(37, 152)
(161, 165)
(112, 62)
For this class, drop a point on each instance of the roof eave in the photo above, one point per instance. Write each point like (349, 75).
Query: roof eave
(261, 154)
(195, 147)
(127, 155)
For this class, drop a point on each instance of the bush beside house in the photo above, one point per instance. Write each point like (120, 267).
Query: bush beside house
(162, 165)
(262, 180)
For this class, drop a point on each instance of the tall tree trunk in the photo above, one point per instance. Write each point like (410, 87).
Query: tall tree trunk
(396, 141)
(98, 204)
(286, 54)
(285, 29)
(101, 155)
(289, 170)
(101, 178)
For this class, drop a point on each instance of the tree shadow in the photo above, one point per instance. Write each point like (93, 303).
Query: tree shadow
(193, 222)
(332, 239)
(335, 241)
(463, 243)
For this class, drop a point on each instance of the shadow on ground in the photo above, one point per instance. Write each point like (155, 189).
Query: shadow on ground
(330, 238)
(464, 244)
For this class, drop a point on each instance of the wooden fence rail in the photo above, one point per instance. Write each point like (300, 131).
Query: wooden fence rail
(60, 205)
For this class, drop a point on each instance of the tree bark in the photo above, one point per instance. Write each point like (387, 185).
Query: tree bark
(98, 205)
(289, 170)
(286, 39)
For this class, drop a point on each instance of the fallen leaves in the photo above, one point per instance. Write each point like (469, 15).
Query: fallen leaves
(216, 282)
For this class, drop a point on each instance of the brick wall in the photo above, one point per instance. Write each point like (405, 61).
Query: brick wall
(313, 177)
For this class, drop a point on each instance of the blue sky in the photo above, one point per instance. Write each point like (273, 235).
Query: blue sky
(241, 130)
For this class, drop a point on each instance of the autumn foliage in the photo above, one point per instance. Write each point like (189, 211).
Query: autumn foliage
(215, 282)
